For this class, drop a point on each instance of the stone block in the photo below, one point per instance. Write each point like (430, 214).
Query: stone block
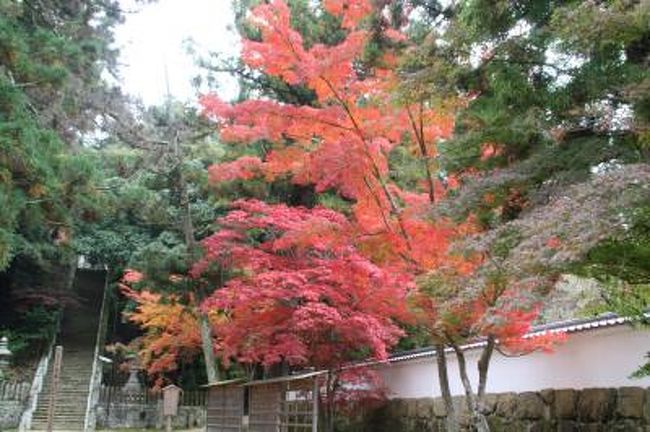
(439, 409)
(541, 426)
(513, 426)
(595, 404)
(567, 426)
(625, 425)
(10, 412)
(400, 407)
(424, 408)
(594, 427)
(421, 424)
(496, 423)
(529, 406)
(411, 407)
(564, 404)
(548, 395)
(391, 408)
(506, 405)
(462, 413)
(489, 404)
(630, 401)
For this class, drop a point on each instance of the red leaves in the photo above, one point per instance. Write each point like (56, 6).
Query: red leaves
(351, 11)
(308, 296)
(132, 276)
(281, 53)
(244, 168)
(313, 287)
(553, 243)
(343, 143)
(490, 150)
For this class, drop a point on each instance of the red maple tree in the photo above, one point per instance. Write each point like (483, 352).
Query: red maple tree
(312, 287)
(343, 141)
(303, 295)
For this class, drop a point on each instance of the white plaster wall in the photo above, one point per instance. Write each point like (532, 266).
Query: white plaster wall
(594, 358)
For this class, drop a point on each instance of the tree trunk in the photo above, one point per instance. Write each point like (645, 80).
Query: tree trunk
(451, 421)
(207, 345)
(208, 351)
(478, 419)
(483, 366)
(329, 416)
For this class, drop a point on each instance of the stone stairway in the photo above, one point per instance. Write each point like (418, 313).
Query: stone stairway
(77, 336)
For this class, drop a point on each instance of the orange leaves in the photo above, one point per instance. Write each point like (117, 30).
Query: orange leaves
(171, 332)
(342, 144)
(545, 342)
(281, 53)
(332, 67)
(350, 11)
(286, 160)
(490, 150)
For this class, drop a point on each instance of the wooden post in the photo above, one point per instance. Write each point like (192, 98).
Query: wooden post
(171, 399)
(314, 412)
(54, 385)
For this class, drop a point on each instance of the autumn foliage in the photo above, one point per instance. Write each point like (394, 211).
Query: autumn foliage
(343, 142)
(314, 287)
(170, 327)
(304, 294)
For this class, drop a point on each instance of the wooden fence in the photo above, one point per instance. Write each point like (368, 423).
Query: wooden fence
(116, 395)
(14, 391)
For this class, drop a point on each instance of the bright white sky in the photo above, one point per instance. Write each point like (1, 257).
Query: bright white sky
(153, 39)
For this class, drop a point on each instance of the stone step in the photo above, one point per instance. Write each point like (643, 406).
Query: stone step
(59, 427)
(79, 394)
(69, 384)
(61, 419)
(63, 404)
(60, 416)
(64, 408)
(78, 405)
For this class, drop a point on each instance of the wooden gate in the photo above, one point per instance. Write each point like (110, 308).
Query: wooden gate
(225, 407)
(285, 404)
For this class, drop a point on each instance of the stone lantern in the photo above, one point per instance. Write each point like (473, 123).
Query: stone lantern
(133, 383)
(5, 356)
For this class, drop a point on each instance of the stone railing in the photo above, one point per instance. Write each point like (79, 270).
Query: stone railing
(13, 399)
(96, 373)
(37, 384)
(14, 391)
(598, 409)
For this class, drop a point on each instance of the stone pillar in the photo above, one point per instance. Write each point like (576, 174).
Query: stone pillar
(5, 357)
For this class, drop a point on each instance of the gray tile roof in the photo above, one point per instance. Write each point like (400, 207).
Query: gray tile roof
(568, 326)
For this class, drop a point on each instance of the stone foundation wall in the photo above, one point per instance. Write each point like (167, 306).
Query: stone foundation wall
(10, 412)
(139, 416)
(594, 410)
